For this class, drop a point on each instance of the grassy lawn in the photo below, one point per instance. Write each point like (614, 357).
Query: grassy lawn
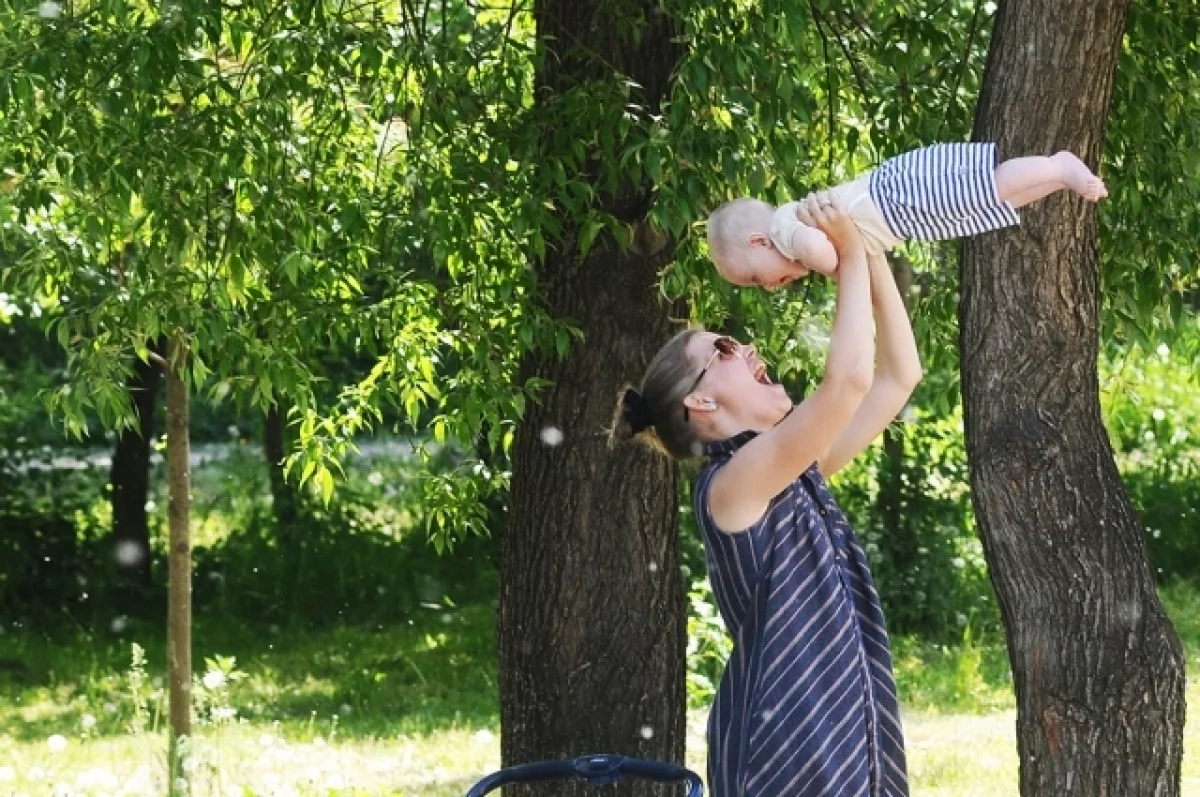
(409, 709)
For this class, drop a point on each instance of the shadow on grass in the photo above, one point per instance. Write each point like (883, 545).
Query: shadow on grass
(434, 671)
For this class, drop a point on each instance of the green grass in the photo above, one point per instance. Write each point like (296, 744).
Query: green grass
(436, 671)
(411, 709)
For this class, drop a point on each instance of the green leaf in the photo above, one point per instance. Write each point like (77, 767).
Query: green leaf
(325, 480)
(587, 234)
(653, 165)
(292, 264)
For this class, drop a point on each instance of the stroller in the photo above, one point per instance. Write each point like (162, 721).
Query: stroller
(598, 770)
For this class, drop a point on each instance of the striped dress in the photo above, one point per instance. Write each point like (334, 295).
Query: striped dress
(941, 191)
(807, 704)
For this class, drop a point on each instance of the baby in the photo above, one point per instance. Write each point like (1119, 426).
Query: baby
(929, 194)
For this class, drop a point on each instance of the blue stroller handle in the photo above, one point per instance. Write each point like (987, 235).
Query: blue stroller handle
(598, 770)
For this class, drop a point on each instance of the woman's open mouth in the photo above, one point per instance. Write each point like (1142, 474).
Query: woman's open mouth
(760, 374)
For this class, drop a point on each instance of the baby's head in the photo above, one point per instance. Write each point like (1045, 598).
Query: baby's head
(739, 243)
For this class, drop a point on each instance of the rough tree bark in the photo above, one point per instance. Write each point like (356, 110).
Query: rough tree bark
(1097, 665)
(179, 561)
(592, 625)
(130, 476)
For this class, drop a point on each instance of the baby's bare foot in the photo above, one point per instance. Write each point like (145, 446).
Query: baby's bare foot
(1079, 177)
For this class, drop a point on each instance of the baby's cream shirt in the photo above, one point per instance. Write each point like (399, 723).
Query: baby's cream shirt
(856, 198)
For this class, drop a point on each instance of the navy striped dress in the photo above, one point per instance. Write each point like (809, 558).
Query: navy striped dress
(941, 191)
(807, 704)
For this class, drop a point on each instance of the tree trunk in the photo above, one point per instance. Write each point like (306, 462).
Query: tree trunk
(592, 623)
(130, 477)
(179, 559)
(283, 496)
(1098, 669)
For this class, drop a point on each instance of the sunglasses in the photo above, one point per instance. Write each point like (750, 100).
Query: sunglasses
(726, 348)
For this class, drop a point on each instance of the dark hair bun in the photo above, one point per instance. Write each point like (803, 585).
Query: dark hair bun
(633, 416)
(635, 410)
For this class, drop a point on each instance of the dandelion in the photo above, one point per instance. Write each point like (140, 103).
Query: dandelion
(214, 679)
(375, 479)
(93, 778)
(552, 436)
(482, 737)
(1159, 414)
(49, 10)
(335, 780)
(57, 743)
(958, 562)
(961, 619)
(87, 721)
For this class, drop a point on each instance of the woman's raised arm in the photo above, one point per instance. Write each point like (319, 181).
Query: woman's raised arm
(896, 374)
(743, 489)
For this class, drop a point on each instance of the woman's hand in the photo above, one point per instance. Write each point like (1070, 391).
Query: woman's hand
(829, 215)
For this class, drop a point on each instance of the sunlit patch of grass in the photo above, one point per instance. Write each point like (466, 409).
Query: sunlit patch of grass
(950, 755)
(243, 759)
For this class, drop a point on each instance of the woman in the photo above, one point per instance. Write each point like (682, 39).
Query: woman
(807, 704)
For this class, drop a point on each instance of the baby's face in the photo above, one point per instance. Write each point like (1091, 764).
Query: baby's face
(761, 265)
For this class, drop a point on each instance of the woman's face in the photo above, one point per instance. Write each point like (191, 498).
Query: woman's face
(738, 383)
